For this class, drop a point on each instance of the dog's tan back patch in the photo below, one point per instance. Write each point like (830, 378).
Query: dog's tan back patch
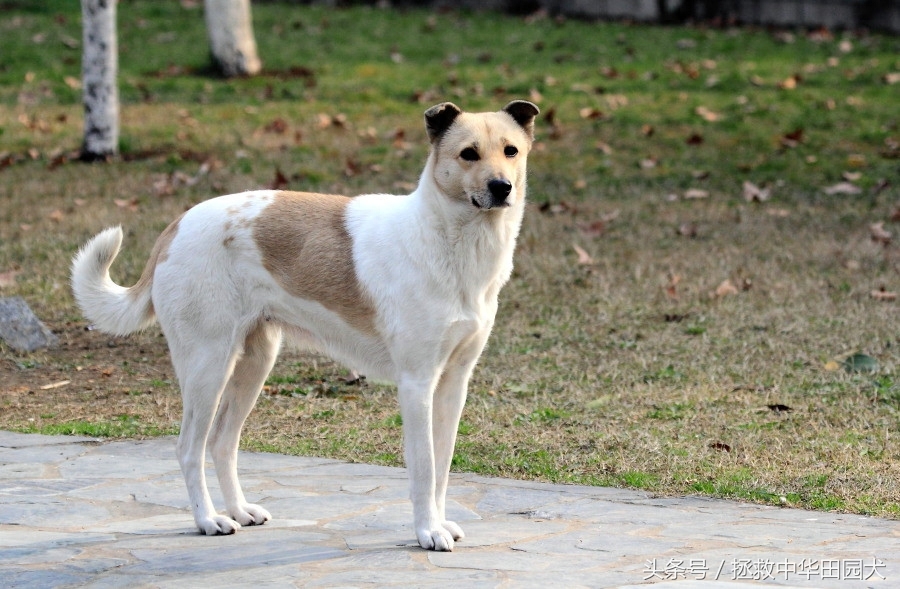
(306, 247)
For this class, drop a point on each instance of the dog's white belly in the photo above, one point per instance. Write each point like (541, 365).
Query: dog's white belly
(309, 324)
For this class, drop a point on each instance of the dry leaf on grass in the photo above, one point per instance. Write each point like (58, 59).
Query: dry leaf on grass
(672, 286)
(895, 216)
(688, 229)
(842, 188)
(753, 193)
(726, 288)
(8, 278)
(883, 295)
(792, 139)
(584, 258)
(130, 204)
(695, 194)
(879, 234)
(707, 115)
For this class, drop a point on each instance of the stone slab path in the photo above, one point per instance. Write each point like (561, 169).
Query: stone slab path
(77, 512)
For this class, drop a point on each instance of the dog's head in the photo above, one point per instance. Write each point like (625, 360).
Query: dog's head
(480, 158)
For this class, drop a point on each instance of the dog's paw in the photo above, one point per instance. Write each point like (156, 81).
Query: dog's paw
(217, 525)
(439, 539)
(249, 514)
(454, 530)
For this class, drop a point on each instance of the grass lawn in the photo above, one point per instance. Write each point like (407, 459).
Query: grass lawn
(702, 300)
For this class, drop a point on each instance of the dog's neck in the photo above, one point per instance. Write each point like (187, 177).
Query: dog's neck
(479, 243)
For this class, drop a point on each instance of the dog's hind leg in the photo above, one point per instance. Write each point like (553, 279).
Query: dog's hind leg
(238, 399)
(203, 367)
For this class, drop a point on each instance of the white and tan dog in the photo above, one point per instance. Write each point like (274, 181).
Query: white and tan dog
(402, 288)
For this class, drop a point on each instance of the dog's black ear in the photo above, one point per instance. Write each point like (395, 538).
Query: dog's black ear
(438, 119)
(523, 112)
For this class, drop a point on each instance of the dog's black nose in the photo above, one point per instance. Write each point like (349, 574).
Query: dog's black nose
(500, 189)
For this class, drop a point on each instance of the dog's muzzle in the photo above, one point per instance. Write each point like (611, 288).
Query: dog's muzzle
(496, 197)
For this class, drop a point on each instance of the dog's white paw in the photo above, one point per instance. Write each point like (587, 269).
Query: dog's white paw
(217, 525)
(454, 530)
(438, 539)
(249, 514)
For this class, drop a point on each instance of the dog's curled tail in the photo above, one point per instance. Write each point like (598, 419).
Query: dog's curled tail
(111, 308)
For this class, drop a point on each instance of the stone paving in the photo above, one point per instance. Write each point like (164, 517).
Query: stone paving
(78, 512)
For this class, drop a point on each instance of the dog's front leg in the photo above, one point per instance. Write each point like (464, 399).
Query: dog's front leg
(449, 398)
(416, 405)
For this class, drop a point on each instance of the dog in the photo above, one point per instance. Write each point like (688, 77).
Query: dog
(400, 288)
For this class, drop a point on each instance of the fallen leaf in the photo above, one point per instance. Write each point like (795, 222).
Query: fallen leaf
(56, 216)
(672, 286)
(8, 278)
(649, 163)
(779, 408)
(647, 130)
(130, 204)
(557, 208)
(753, 193)
(695, 194)
(891, 78)
(598, 227)
(831, 366)
(583, 257)
(591, 113)
(842, 188)
(878, 233)
(726, 288)
(280, 181)
(593, 229)
(879, 295)
(55, 385)
(895, 216)
(675, 317)
(707, 115)
(720, 446)
(789, 83)
(688, 229)
(278, 126)
(792, 139)
(694, 139)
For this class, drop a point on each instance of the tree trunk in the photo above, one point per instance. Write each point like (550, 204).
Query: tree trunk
(100, 64)
(231, 41)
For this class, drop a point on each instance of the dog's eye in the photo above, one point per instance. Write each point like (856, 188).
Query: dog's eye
(510, 151)
(469, 154)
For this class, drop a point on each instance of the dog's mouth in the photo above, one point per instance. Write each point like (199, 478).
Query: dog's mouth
(490, 204)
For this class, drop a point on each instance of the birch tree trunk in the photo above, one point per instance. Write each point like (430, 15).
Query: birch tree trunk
(100, 65)
(229, 26)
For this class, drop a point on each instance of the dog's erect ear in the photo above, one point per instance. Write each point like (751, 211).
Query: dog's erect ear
(438, 119)
(523, 112)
